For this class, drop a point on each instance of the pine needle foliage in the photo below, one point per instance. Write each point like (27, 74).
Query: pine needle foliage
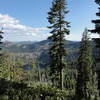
(86, 85)
(59, 28)
(96, 30)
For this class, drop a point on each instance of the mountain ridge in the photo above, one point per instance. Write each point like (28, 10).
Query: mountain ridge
(28, 46)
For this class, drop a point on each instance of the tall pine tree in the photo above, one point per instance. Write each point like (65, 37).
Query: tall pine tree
(97, 40)
(86, 85)
(59, 27)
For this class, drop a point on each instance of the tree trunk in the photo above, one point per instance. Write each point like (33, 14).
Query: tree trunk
(39, 73)
(61, 79)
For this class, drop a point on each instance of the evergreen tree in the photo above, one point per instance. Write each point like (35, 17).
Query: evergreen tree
(1, 37)
(98, 2)
(97, 40)
(8, 68)
(59, 26)
(86, 85)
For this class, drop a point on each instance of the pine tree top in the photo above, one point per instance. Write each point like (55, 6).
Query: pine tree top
(98, 2)
(1, 37)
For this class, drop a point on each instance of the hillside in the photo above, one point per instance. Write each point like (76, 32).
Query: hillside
(39, 47)
(29, 46)
(39, 50)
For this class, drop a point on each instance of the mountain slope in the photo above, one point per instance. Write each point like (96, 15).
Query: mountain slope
(39, 50)
(32, 46)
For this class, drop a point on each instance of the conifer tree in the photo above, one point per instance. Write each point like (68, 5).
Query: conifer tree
(59, 27)
(97, 40)
(86, 85)
(1, 37)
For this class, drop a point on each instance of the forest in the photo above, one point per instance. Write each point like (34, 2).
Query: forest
(52, 69)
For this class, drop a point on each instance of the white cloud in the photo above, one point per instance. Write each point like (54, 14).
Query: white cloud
(13, 27)
(74, 37)
(14, 31)
(78, 35)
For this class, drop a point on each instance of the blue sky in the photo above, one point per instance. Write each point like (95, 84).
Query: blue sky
(26, 20)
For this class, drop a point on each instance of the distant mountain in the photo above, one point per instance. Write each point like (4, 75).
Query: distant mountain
(29, 46)
(39, 50)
